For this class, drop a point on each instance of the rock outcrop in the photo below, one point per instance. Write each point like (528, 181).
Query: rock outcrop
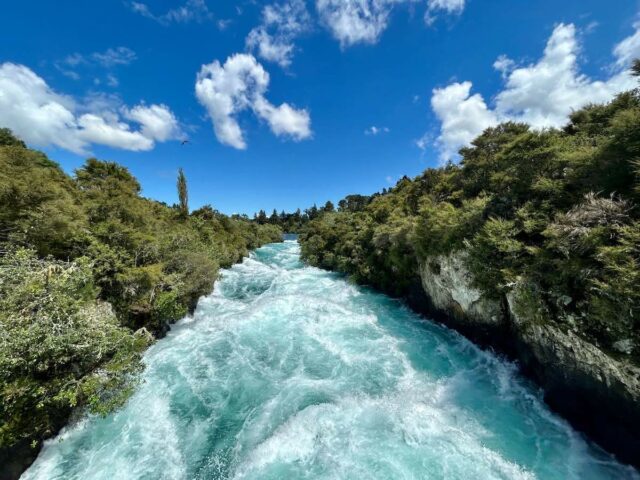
(447, 282)
(598, 394)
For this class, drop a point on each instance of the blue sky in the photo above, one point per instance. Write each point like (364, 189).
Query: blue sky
(289, 91)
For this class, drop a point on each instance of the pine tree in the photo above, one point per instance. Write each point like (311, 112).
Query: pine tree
(274, 219)
(312, 212)
(183, 194)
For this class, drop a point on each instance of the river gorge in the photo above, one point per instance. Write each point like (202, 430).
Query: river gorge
(289, 371)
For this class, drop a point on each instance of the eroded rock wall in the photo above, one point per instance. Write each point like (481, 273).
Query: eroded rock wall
(597, 393)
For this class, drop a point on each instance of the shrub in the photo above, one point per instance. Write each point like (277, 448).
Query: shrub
(59, 347)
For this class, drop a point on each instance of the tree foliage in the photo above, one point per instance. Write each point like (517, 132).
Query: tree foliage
(60, 347)
(556, 210)
(183, 194)
(69, 245)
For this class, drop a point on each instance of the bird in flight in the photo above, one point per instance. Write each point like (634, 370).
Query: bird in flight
(184, 142)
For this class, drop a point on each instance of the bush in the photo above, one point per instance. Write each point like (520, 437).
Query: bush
(59, 347)
(73, 245)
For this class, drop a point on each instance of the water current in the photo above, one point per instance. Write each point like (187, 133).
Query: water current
(290, 372)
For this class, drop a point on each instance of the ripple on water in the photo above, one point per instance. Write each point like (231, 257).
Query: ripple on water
(287, 371)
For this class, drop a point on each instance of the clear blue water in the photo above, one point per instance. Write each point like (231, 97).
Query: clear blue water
(290, 372)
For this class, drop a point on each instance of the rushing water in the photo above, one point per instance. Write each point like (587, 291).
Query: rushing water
(290, 372)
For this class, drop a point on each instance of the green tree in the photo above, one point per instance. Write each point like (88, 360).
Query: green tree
(39, 203)
(7, 138)
(85, 263)
(312, 212)
(274, 219)
(553, 213)
(353, 203)
(183, 194)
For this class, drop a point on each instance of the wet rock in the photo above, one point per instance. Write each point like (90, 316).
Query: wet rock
(598, 394)
(447, 281)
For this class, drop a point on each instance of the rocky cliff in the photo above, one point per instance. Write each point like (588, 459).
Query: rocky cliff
(597, 393)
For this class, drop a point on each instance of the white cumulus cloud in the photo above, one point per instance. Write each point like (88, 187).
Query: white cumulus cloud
(43, 117)
(462, 115)
(239, 84)
(273, 40)
(157, 122)
(95, 129)
(504, 65)
(363, 21)
(447, 6)
(355, 21)
(542, 94)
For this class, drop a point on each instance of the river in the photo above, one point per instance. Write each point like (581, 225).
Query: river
(291, 372)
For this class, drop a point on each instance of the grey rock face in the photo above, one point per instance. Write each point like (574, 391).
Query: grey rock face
(597, 393)
(447, 281)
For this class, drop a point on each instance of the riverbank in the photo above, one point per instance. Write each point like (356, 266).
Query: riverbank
(528, 245)
(596, 392)
(16, 458)
(289, 371)
(91, 272)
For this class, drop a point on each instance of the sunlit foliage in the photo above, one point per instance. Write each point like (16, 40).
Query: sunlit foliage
(555, 210)
(90, 272)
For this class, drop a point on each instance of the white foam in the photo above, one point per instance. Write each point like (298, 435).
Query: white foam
(288, 371)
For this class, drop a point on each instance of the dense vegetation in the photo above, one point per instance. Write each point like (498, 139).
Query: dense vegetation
(554, 211)
(90, 273)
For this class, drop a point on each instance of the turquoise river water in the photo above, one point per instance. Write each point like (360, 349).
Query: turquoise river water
(290, 372)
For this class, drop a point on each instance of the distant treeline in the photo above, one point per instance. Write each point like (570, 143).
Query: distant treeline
(296, 221)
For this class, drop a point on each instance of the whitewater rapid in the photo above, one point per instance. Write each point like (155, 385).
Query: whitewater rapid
(290, 372)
